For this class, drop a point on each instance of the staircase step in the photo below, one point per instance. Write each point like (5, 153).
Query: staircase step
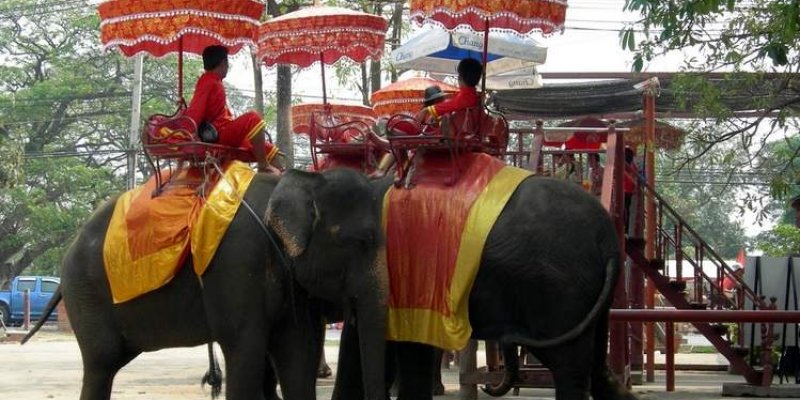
(679, 286)
(720, 329)
(694, 305)
(658, 264)
(741, 351)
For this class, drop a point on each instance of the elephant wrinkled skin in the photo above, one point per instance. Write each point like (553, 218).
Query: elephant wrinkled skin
(248, 300)
(545, 282)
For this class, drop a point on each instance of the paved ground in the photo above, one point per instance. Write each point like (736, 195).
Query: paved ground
(49, 367)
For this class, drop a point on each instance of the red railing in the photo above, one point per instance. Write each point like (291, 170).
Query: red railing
(676, 239)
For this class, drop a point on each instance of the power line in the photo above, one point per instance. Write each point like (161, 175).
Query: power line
(64, 154)
(74, 118)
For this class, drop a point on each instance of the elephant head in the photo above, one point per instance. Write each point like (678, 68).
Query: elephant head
(329, 224)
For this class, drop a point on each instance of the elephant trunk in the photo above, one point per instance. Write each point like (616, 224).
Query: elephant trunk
(370, 309)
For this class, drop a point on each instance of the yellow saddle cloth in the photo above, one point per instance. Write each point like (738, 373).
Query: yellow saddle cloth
(149, 237)
(434, 242)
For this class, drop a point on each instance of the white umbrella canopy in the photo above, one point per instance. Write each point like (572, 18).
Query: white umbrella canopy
(437, 51)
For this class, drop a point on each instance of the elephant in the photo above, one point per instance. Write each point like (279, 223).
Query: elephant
(545, 282)
(258, 306)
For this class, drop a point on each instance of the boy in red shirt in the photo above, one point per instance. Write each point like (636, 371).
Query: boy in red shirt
(469, 75)
(469, 71)
(209, 104)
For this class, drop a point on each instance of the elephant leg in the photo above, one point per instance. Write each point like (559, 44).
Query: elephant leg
(323, 370)
(605, 386)
(296, 351)
(415, 371)
(270, 381)
(103, 353)
(99, 369)
(348, 371)
(245, 360)
(438, 386)
(572, 378)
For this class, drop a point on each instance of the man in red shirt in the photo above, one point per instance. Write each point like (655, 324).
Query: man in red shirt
(469, 71)
(629, 183)
(209, 104)
(469, 75)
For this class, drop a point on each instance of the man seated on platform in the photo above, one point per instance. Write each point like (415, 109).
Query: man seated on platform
(470, 71)
(433, 95)
(209, 105)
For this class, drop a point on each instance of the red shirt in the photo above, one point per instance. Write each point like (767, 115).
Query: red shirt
(466, 97)
(629, 179)
(209, 102)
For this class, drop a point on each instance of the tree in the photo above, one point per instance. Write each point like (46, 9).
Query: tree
(781, 241)
(283, 88)
(367, 77)
(64, 125)
(707, 209)
(750, 40)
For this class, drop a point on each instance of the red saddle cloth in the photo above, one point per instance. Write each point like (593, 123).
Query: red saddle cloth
(435, 234)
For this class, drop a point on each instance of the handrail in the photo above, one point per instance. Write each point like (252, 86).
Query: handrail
(697, 240)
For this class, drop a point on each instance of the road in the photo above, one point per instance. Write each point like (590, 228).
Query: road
(49, 367)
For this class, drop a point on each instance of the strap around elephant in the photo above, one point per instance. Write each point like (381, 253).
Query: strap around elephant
(213, 161)
(284, 260)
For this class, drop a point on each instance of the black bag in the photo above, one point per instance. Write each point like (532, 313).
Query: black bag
(208, 133)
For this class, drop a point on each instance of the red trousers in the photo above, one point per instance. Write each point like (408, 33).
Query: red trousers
(238, 133)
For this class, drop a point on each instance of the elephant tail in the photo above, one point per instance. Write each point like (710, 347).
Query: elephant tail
(45, 315)
(510, 372)
(213, 376)
(602, 302)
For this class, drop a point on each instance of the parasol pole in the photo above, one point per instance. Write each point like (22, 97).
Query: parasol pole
(324, 90)
(136, 110)
(485, 54)
(180, 72)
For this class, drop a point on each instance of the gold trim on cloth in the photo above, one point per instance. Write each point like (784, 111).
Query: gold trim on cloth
(218, 212)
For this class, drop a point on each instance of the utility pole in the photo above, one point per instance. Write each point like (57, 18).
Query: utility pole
(136, 112)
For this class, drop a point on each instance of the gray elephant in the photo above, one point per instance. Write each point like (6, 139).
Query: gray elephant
(545, 282)
(248, 301)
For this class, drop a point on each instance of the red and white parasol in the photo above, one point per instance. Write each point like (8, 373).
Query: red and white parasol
(520, 16)
(405, 96)
(160, 27)
(324, 34)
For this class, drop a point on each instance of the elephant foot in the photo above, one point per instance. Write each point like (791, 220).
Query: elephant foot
(438, 389)
(324, 371)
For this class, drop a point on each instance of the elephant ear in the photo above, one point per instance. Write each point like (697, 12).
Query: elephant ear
(291, 211)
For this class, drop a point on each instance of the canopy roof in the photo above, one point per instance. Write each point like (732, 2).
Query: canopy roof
(564, 100)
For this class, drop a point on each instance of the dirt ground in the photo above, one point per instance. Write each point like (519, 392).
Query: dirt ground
(49, 367)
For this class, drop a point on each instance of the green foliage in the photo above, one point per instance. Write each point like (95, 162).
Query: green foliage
(64, 126)
(747, 39)
(707, 209)
(781, 241)
(357, 76)
(728, 32)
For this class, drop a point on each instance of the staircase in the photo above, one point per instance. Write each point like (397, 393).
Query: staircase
(675, 239)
